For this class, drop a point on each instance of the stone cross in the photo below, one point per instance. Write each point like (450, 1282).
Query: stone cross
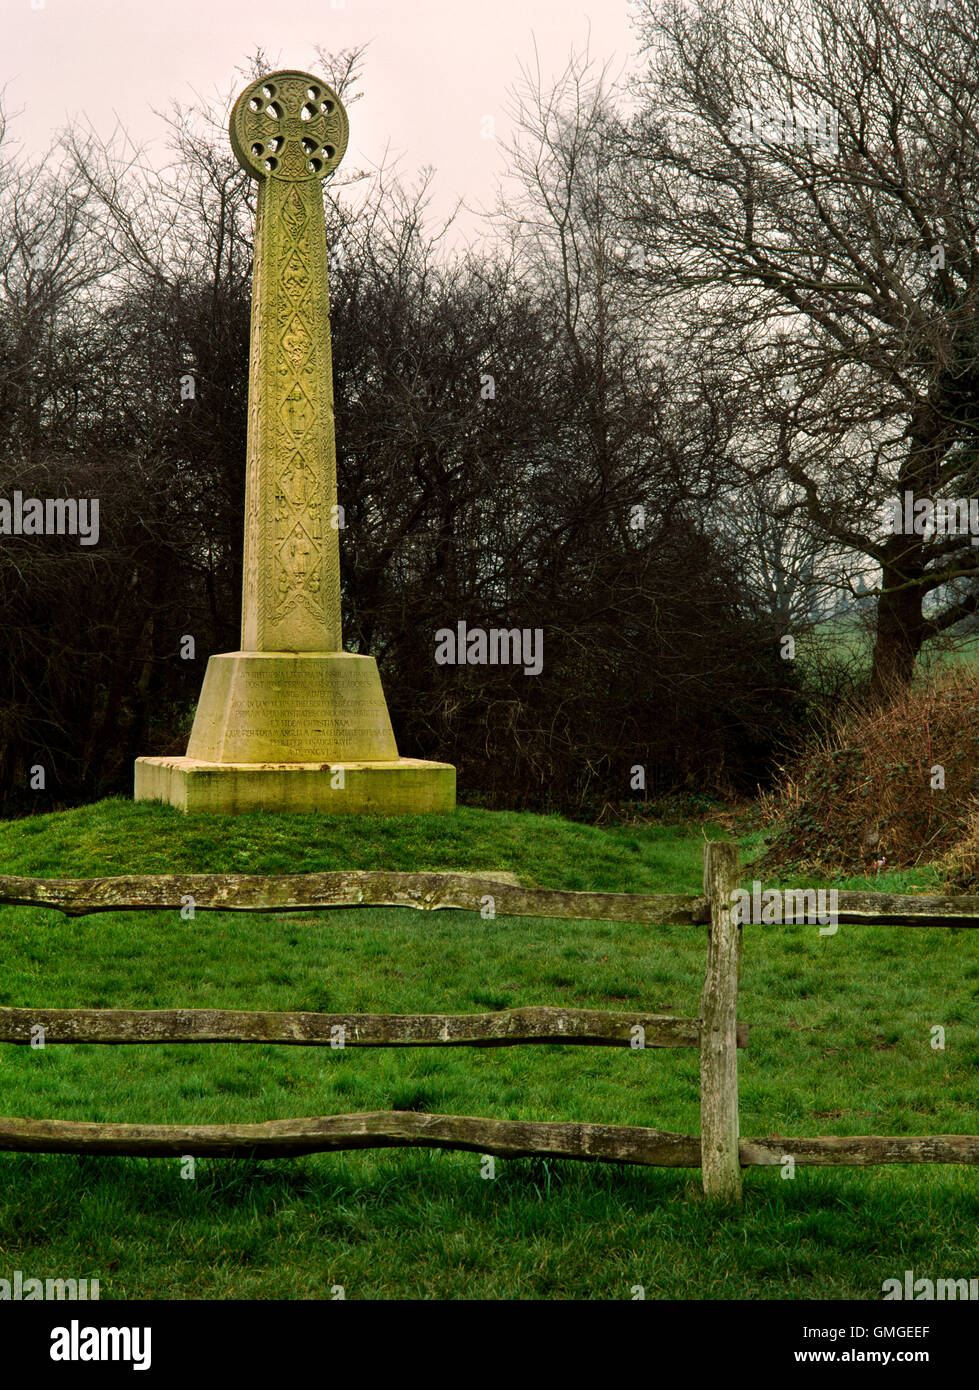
(292, 722)
(289, 131)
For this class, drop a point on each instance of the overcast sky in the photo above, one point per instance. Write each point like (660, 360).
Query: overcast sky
(434, 68)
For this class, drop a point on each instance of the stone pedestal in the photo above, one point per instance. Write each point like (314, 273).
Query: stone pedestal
(295, 731)
(292, 707)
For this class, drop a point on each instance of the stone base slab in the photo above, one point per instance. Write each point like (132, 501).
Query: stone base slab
(400, 787)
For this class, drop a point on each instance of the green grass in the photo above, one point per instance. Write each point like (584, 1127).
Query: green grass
(840, 1044)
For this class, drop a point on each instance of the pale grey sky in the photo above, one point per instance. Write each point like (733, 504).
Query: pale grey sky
(434, 69)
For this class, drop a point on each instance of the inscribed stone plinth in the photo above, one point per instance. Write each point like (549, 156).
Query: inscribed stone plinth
(280, 719)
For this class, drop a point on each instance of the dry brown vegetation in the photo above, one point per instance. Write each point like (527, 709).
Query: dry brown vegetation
(892, 787)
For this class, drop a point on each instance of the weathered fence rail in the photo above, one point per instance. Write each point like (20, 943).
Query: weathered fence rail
(719, 1151)
(434, 892)
(78, 897)
(504, 1028)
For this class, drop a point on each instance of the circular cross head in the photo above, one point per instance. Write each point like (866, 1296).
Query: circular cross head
(289, 126)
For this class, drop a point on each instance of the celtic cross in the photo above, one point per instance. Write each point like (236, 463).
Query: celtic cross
(289, 131)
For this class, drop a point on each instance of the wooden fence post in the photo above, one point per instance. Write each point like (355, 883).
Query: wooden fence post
(720, 1164)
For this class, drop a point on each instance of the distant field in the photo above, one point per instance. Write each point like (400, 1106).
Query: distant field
(851, 640)
(840, 1044)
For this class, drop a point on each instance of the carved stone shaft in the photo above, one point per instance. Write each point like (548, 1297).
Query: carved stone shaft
(289, 131)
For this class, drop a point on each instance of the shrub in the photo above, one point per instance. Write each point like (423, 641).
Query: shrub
(898, 783)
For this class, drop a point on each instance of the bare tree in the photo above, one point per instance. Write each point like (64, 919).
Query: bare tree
(806, 182)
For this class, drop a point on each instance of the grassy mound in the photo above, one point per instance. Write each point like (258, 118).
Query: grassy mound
(892, 788)
(118, 837)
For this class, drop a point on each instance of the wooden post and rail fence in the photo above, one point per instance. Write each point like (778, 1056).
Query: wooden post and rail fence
(719, 1151)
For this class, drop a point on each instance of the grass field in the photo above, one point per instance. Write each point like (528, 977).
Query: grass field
(841, 1033)
(850, 641)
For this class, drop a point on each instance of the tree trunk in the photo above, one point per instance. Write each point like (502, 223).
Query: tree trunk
(900, 622)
